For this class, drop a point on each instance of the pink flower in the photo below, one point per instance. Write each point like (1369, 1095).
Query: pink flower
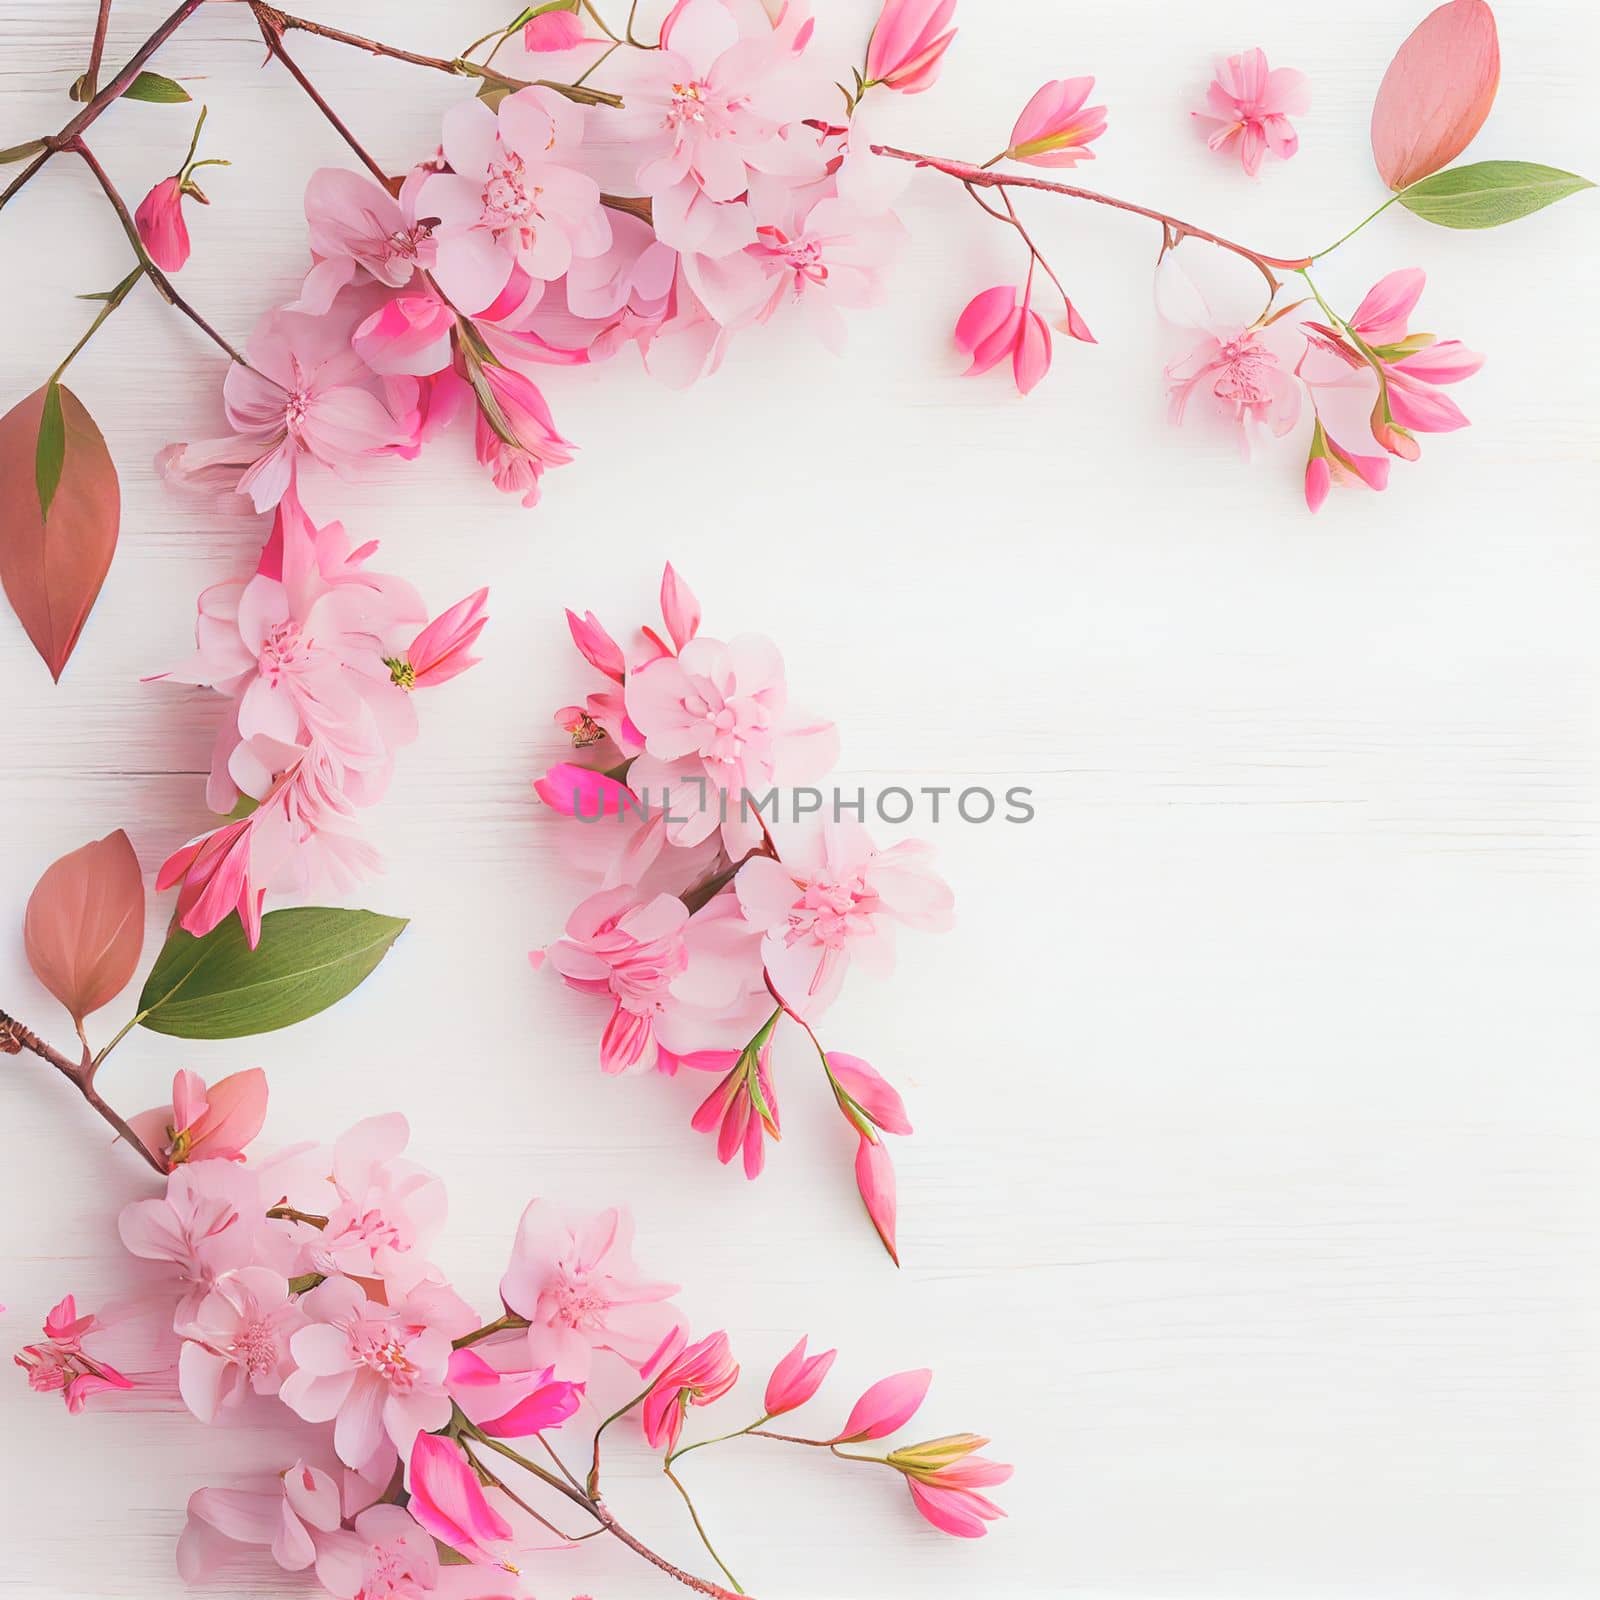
(708, 116)
(439, 652)
(553, 31)
(513, 197)
(581, 792)
(997, 326)
(836, 897)
(238, 1338)
(745, 1107)
(357, 227)
(876, 1182)
(520, 410)
(576, 1283)
(869, 1092)
(909, 42)
(214, 1123)
(511, 1400)
(796, 1379)
(386, 1556)
(1252, 106)
(162, 230)
(885, 1408)
(596, 646)
(408, 336)
(369, 1369)
(447, 1501)
(214, 871)
(287, 1520)
(697, 1376)
(1241, 379)
(61, 1365)
(944, 1476)
(680, 609)
(1056, 127)
(1330, 463)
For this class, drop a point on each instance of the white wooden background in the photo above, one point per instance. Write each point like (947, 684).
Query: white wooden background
(1252, 1206)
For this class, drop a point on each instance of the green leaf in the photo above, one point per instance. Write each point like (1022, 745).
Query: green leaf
(1486, 194)
(153, 87)
(20, 152)
(50, 454)
(219, 988)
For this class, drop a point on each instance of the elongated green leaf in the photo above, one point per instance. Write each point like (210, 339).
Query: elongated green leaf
(50, 453)
(1486, 194)
(153, 87)
(219, 988)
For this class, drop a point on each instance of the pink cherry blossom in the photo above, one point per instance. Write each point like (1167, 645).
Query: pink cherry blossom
(796, 1379)
(909, 42)
(1238, 377)
(61, 1364)
(700, 1374)
(372, 1370)
(885, 1408)
(237, 1339)
(575, 1281)
(162, 230)
(999, 325)
(358, 228)
(1057, 126)
(835, 897)
(206, 1123)
(944, 1477)
(288, 1520)
(1251, 107)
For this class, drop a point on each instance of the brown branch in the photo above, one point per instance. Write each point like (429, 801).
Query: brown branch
(1175, 229)
(14, 1038)
(97, 49)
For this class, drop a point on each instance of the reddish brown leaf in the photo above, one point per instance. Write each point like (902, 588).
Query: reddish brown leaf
(52, 571)
(1437, 92)
(84, 926)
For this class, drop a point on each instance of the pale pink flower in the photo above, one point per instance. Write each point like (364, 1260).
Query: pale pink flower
(205, 1123)
(504, 1394)
(237, 1339)
(1251, 107)
(944, 1477)
(287, 1520)
(1241, 379)
(408, 336)
(447, 1501)
(702, 1373)
(513, 197)
(525, 415)
(834, 898)
(575, 1281)
(1057, 126)
(162, 230)
(997, 326)
(357, 227)
(909, 42)
(796, 1379)
(885, 1408)
(709, 113)
(439, 652)
(372, 1370)
(61, 1364)
(743, 1108)
(385, 1556)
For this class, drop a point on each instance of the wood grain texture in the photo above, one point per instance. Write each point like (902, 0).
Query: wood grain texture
(1253, 1202)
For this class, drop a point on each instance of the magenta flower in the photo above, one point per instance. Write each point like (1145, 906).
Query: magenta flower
(944, 1477)
(1251, 107)
(525, 415)
(997, 326)
(287, 1520)
(1239, 378)
(796, 1379)
(202, 1123)
(439, 652)
(237, 1340)
(513, 1400)
(554, 31)
(447, 1501)
(695, 1377)
(870, 1092)
(372, 1370)
(743, 1108)
(61, 1365)
(576, 1283)
(1056, 126)
(885, 1408)
(908, 44)
(162, 230)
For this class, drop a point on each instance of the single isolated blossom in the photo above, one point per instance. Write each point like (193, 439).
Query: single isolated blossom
(162, 230)
(908, 44)
(944, 1477)
(204, 1122)
(885, 1408)
(1057, 125)
(1238, 377)
(695, 1377)
(1251, 106)
(577, 1285)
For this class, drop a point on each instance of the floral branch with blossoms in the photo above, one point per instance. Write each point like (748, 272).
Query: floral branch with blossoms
(720, 915)
(307, 1281)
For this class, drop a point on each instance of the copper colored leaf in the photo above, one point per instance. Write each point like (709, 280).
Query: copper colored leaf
(84, 926)
(1437, 92)
(52, 568)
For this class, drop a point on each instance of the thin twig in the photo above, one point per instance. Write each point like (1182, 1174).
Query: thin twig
(97, 49)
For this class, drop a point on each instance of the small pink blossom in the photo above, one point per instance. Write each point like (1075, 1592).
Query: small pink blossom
(743, 1108)
(288, 1520)
(385, 1556)
(1241, 379)
(439, 652)
(554, 31)
(944, 1477)
(1057, 126)
(1251, 107)
(162, 230)
(237, 1340)
(909, 42)
(796, 1379)
(575, 1281)
(1330, 463)
(62, 1365)
(372, 1370)
(358, 228)
(525, 415)
(998, 326)
(869, 1092)
(702, 1373)
(206, 1123)
(885, 1408)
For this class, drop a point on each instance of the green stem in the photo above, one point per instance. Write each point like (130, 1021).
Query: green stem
(113, 300)
(509, 1322)
(699, 1527)
(1345, 238)
(594, 1459)
(721, 1438)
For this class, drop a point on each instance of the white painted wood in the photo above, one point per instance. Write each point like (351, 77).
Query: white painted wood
(1252, 1206)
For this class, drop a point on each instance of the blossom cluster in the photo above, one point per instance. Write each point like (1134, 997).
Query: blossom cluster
(307, 1282)
(707, 188)
(712, 927)
(318, 657)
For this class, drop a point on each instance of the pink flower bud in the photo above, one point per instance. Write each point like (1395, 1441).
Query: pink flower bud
(796, 1379)
(1056, 126)
(909, 42)
(704, 1372)
(872, 1092)
(596, 646)
(448, 1502)
(995, 327)
(439, 652)
(581, 792)
(162, 229)
(875, 1180)
(1319, 479)
(551, 31)
(885, 1408)
(679, 608)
